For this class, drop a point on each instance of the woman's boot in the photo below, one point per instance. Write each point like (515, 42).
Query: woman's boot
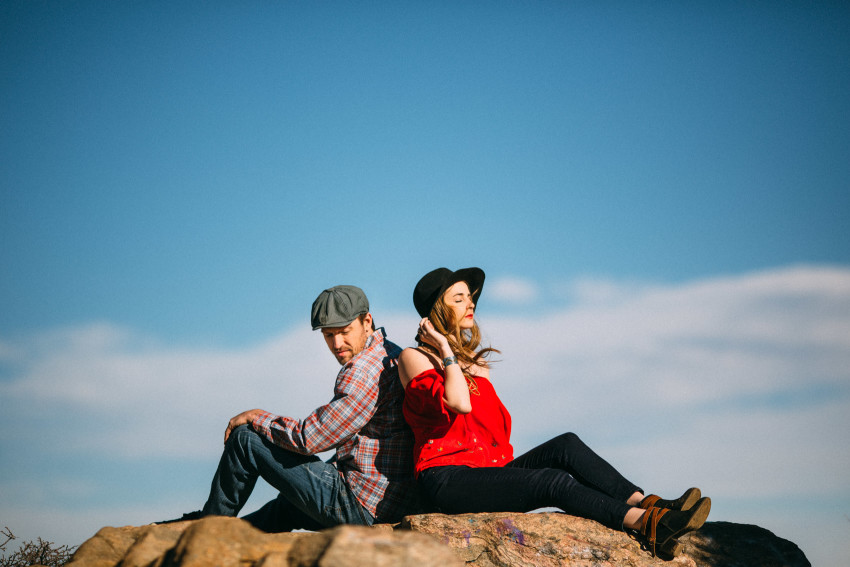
(660, 527)
(683, 502)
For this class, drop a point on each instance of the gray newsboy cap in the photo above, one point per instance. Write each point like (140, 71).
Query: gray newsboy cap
(338, 306)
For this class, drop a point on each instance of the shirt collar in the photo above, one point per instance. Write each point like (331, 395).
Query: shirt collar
(375, 340)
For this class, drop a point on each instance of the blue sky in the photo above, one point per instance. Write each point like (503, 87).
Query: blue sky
(178, 181)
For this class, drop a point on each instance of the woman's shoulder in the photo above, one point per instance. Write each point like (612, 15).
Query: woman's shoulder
(414, 355)
(413, 362)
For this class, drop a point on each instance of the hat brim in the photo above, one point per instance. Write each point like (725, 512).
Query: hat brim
(474, 278)
(439, 281)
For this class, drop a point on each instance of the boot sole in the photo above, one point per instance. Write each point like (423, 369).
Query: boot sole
(699, 514)
(689, 498)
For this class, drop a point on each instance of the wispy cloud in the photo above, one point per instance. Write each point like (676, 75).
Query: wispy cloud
(740, 384)
(122, 393)
(512, 290)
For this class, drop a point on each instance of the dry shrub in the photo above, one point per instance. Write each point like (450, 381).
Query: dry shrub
(37, 552)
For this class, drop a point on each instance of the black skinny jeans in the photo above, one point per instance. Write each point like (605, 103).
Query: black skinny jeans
(562, 473)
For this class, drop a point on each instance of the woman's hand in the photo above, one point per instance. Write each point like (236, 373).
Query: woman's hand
(429, 335)
(456, 394)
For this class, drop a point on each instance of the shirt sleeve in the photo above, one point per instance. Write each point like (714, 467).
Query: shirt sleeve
(353, 405)
(423, 403)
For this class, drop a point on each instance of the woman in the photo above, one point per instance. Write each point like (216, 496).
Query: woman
(463, 455)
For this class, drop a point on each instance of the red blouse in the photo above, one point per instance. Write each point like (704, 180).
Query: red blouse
(480, 438)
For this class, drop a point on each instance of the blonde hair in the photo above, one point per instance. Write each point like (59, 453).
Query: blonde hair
(465, 343)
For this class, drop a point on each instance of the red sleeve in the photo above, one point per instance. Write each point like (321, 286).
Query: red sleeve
(424, 407)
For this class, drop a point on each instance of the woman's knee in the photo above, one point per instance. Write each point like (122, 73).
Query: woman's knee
(569, 440)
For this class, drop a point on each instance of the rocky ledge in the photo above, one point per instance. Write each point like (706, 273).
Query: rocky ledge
(483, 540)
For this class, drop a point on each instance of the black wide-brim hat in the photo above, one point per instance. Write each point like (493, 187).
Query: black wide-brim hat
(436, 282)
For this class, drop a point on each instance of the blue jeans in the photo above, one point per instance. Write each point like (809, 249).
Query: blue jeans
(562, 473)
(313, 495)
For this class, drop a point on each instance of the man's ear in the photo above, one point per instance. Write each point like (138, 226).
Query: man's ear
(367, 321)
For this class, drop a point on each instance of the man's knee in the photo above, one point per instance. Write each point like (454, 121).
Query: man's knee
(242, 435)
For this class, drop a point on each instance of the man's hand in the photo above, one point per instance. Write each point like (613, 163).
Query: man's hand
(244, 417)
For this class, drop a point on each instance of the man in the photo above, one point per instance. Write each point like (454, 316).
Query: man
(369, 480)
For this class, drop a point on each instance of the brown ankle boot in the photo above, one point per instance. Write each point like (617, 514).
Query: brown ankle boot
(683, 502)
(660, 527)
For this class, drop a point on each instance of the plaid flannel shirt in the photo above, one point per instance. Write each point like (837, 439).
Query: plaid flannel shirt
(365, 424)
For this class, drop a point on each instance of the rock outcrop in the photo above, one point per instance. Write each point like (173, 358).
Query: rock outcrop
(224, 542)
(481, 540)
(553, 539)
